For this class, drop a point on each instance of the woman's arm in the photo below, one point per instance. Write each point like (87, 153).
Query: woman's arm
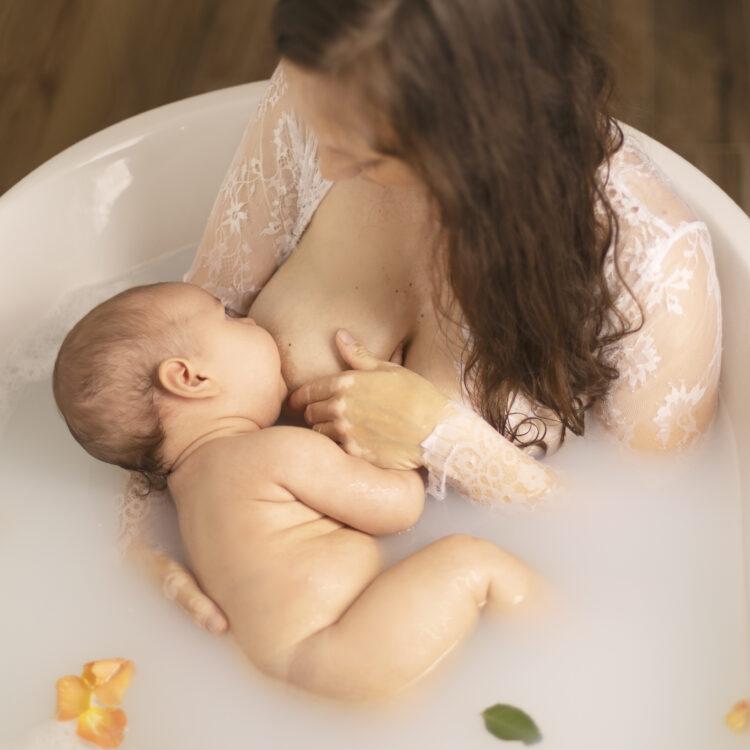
(269, 194)
(397, 419)
(266, 201)
(468, 454)
(666, 394)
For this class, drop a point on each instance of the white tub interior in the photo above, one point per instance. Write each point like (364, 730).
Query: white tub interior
(650, 649)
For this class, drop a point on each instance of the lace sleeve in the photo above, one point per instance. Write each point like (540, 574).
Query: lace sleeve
(146, 519)
(468, 454)
(268, 196)
(266, 201)
(669, 369)
(667, 391)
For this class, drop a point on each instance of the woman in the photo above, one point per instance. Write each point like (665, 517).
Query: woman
(449, 176)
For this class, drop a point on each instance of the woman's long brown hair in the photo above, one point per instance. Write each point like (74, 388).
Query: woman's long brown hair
(501, 109)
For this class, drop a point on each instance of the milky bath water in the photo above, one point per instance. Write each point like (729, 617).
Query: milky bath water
(646, 646)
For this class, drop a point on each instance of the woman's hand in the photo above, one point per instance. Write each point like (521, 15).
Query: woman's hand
(177, 583)
(379, 411)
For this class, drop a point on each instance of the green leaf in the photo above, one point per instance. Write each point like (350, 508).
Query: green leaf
(510, 723)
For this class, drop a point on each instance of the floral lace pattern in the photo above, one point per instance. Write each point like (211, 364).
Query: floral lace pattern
(669, 367)
(268, 197)
(480, 463)
(134, 508)
(269, 194)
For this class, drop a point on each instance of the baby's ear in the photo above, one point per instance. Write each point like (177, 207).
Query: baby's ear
(180, 377)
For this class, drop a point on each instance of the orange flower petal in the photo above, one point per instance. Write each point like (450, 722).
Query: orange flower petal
(739, 717)
(109, 679)
(105, 727)
(73, 697)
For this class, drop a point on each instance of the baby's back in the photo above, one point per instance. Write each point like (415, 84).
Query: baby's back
(279, 569)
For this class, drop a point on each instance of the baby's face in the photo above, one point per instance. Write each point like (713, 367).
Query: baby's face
(237, 353)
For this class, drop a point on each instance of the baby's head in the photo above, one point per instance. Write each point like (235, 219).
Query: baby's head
(152, 360)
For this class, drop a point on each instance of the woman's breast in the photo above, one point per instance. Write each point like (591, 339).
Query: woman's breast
(355, 268)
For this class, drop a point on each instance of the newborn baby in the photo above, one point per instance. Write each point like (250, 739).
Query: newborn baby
(276, 520)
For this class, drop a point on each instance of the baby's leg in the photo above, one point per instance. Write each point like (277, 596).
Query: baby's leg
(409, 618)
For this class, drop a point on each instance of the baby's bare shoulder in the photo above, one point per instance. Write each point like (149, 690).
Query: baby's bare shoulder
(255, 446)
(244, 464)
(260, 457)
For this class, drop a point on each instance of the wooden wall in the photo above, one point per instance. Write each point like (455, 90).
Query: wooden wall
(683, 77)
(71, 67)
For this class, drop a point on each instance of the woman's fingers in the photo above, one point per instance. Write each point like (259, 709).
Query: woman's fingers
(324, 411)
(316, 390)
(355, 353)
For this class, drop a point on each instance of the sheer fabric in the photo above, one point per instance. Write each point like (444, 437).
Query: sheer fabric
(669, 370)
(665, 395)
(669, 366)
(469, 454)
(268, 197)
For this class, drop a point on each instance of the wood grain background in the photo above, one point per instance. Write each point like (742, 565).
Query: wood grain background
(71, 67)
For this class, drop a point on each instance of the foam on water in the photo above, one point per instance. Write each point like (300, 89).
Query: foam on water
(648, 648)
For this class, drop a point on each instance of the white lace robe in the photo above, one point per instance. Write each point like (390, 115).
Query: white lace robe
(665, 395)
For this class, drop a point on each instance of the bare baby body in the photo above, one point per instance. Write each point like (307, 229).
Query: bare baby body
(277, 526)
(276, 520)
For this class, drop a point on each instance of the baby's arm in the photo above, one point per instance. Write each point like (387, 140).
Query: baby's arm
(350, 489)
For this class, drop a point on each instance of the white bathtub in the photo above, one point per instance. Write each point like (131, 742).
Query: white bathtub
(657, 673)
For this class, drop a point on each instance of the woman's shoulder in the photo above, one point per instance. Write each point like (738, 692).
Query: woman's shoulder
(665, 393)
(661, 240)
(642, 194)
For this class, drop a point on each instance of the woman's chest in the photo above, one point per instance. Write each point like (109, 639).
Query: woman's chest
(362, 264)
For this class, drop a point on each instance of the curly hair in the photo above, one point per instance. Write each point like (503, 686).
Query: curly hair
(501, 108)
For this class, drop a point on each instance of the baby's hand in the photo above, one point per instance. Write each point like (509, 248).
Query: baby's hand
(178, 584)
